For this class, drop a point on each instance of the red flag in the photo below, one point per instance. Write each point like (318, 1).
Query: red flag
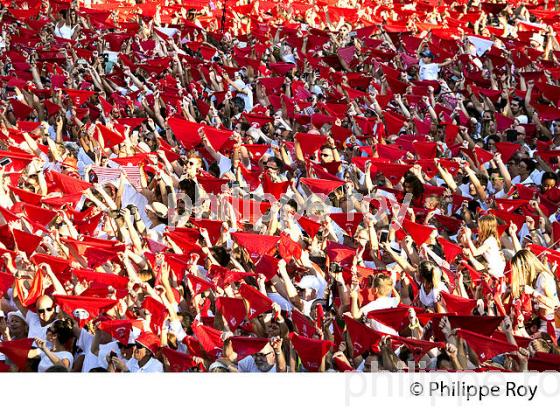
(363, 337)
(178, 362)
(245, 346)
(17, 351)
(209, 338)
(158, 311)
(485, 347)
(258, 303)
(233, 311)
(93, 306)
(288, 248)
(321, 186)
(457, 304)
(118, 329)
(310, 351)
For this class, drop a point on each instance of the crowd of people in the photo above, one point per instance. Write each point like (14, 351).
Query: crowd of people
(334, 185)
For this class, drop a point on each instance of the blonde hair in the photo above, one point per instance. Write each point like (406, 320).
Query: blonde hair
(525, 267)
(487, 227)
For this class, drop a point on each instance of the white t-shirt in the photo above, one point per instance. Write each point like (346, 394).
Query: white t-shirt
(152, 366)
(35, 328)
(45, 362)
(91, 360)
(428, 71)
(248, 365)
(429, 300)
(494, 257)
(384, 302)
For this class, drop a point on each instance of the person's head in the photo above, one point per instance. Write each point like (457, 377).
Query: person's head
(427, 56)
(265, 359)
(496, 179)
(273, 165)
(525, 167)
(157, 212)
(382, 285)
(17, 325)
(525, 267)
(62, 332)
(413, 185)
(521, 134)
(548, 181)
(555, 127)
(487, 227)
(146, 347)
(430, 274)
(516, 105)
(57, 368)
(45, 309)
(192, 165)
(127, 350)
(326, 154)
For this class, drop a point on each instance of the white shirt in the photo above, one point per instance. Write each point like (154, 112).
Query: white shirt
(384, 302)
(428, 71)
(429, 299)
(152, 366)
(45, 362)
(35, 328)
(494, 257)
(247, 365)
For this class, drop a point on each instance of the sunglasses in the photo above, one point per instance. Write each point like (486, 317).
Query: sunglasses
(262, 355)
(272, 168)
(324, 155)
(45, 310)
(139, 346)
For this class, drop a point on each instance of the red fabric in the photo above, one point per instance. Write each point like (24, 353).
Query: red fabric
(209, 338)
(34, 292)
(178, 362)
(419, 233)
(233, 311)
(255, 243)
(457, 304)
(199, 285)
(363, 337)
(245, 346)
(118, 329)
(289, 249)
(321, 186)
(303, 324)
(258, 303)
(110, 137)
(158, 311)
(17, 351)
(485, 347)
(93, 306)
(450, 249)
(310, 351)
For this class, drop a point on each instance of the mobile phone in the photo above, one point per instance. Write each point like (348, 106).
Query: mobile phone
(5, 161)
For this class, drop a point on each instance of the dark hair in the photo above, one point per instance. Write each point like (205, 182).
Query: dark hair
(57, 368)
(98, 370)
(277, 161)
(221, 255)
(417, 187)
(549, 175)
(426, 270)
(62, 329)
(529, 163)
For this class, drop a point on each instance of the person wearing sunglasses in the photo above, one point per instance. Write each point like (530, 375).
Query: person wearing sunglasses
(39, 322)
(143, 357)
